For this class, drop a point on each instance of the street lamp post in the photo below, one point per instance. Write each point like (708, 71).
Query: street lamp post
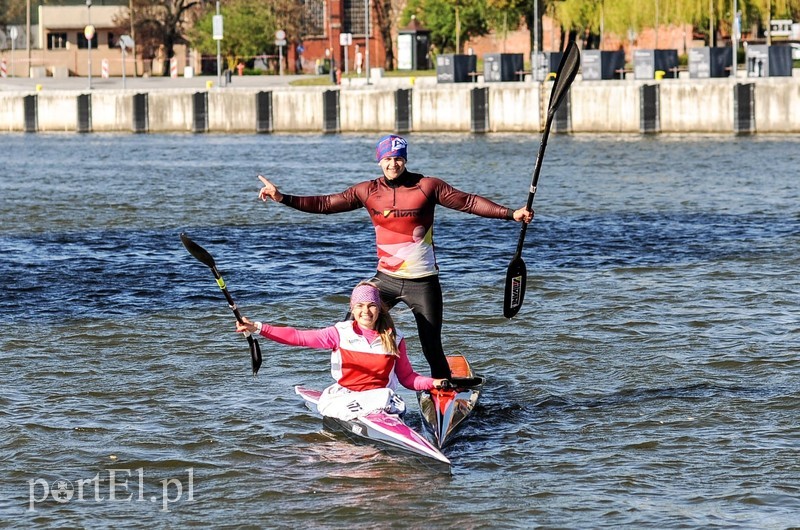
(217, 34)
(735, 41)
(42, 39)
(366, 37)
(133, 37)
(89, 34)
(13, 34)
(28, 33)
(535, 40)
(125, 42)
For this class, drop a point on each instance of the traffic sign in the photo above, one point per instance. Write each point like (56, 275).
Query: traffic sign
(216, 23)
(345, 39)
(280, 35)
(13, 33)
(125, 41)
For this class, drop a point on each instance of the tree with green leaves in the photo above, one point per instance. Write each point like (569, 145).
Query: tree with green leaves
(477, 18)
(249, 29)
(622, 16)
(515, 11)
(451, 22)
(503, 16)
(12, 12)
(159, 24)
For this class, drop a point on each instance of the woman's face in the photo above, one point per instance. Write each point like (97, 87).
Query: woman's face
(366, 314)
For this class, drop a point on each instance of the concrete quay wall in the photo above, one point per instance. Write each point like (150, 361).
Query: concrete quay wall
(769, 105)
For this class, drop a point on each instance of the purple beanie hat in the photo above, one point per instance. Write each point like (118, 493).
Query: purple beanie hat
(391, 145)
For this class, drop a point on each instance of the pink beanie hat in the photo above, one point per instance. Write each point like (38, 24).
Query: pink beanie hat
(365, 293)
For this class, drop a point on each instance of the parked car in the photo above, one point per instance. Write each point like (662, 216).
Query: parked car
(795, 51)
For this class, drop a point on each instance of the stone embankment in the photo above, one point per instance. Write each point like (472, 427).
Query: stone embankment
(250, 105)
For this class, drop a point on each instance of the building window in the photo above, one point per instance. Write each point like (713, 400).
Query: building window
(314, 13)
(83, 42)
(113, 40)
(353, 17)
(56, 41)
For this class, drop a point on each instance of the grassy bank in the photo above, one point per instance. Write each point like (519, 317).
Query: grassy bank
(325, 79)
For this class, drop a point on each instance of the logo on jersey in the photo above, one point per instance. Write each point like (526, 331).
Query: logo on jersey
(396, 213)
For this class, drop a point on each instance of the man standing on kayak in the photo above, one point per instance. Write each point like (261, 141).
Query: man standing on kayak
(401, 206)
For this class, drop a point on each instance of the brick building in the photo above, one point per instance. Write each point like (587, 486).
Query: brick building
(325, 22)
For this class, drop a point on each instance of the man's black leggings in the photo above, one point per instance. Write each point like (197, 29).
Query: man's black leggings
(424, 297)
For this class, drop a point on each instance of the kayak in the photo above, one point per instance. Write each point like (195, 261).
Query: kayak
(445, 410)
(378, 427)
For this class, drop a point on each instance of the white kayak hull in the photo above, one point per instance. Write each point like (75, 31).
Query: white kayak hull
(379, 427)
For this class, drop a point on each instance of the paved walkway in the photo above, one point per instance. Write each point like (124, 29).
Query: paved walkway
(151, 84)
(143, 83)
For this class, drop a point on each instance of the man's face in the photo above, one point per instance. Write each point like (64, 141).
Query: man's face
(392, 166)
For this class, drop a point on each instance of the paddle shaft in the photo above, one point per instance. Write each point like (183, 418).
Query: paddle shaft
(536, 170)
(557, 94)
(255, 349)
(228, 297)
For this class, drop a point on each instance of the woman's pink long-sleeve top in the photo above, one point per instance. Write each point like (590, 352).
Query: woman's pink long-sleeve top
(328, 338)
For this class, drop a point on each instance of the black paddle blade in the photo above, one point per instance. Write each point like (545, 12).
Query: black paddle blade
(516, 279)
(255, 354)
(463, 383)
(198, 252)
(567, 70)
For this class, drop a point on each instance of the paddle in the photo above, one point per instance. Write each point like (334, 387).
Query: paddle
(517, 274)
(205, 258)
(465, 383)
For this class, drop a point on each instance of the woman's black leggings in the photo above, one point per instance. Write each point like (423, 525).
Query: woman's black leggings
(424, 297)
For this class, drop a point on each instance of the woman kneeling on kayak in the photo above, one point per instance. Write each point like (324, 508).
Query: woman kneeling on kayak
(368, 357)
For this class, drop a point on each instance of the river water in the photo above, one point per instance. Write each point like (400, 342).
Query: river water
(649, 381)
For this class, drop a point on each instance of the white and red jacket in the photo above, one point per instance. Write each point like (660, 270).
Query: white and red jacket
(358, 360)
